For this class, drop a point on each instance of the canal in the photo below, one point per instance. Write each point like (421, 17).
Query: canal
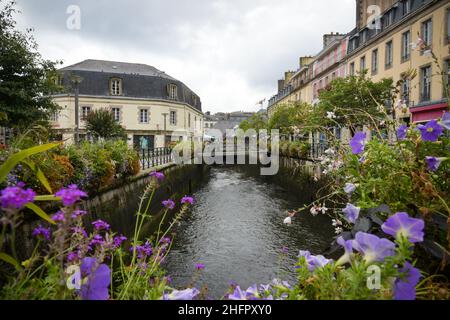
(236, 230)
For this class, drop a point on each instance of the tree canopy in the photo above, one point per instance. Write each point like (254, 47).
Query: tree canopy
(257, 122)
(26, 79)
(101, 124)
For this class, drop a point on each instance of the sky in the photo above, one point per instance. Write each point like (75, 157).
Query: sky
(230, 52)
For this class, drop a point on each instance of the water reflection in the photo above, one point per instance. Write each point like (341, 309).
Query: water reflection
(236, 229)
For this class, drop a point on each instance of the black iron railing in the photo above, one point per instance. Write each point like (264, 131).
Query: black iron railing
(317, 150)
(150, 158)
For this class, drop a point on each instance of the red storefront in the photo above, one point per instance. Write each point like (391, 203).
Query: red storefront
(427, 113)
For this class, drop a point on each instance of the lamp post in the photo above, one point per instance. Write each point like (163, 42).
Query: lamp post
(76, 80)
(165, 127)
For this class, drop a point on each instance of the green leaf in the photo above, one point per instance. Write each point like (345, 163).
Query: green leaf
(39, 175)
(49, 197)
(16, 158)
(7, 258)
(40, 212)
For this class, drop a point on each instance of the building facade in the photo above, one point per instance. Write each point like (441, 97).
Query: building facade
(391, 38)
(152, 106)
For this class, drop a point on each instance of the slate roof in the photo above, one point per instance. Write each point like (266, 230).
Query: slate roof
(138, 81)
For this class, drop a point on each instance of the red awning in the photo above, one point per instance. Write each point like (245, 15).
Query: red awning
(427, 113)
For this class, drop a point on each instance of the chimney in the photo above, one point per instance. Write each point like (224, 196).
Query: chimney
(288, 76)
(330, 37)
(304, 61)
(280, 85)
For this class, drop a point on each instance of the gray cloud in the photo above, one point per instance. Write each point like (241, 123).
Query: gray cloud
(231, 52)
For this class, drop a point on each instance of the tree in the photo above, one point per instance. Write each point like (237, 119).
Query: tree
(356, 100)
(26, 80)
(101, 124)
(257, 122)
(290, 117)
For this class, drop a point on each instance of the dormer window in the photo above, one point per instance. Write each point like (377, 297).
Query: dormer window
(116, 87)
(194, 100)
(172, 90)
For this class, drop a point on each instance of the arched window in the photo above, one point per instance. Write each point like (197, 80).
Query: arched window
(115, 86)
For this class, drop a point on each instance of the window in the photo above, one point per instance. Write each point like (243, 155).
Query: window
(143, 116)
(447, 79)
(352, 69)
(116, 87)
(85, 111)
(333, 76)
(427, 32)
(194, 99)
(405, 90)
(116, 114)
(375, 61)
(425, 83)
(173, 118)
(362, 64)
(448, 25)
(173, 91)
(363, 36)
(189, 120)
(406, 7)
(54, 116)
(388, 17)
(389, 51)
(406, 50)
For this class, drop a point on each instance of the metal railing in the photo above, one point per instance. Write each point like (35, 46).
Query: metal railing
(150, 158)
(317, 150)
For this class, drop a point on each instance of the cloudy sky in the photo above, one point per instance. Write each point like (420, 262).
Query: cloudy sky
(230, 52)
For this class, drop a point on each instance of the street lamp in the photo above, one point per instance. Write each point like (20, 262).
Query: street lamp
(165, 127)
(76, 80)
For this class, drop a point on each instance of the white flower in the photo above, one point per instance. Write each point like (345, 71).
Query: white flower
(288, 221)
(338, 230)
(329, 152)
(331, 115)
(324, 209)
(314, 210)
(336, 223)
(325, 172)
(316, 178)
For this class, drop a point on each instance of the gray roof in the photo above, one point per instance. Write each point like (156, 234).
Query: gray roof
(118, 67)
(138, 81)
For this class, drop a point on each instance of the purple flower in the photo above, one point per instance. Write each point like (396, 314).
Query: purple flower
(59, 217)
(165, 241)
(118, 240)
(358, 143)
(42, 232)
(351, 213)
(186, 200)
(314, 261)
(187, 294)
(373, 248)
(98, 280)
(80, 231)
(433, 163)
(158, 175)
(78, 214)
(348, 247)
(97, 239)
(168, 204)
(431, 131)
(70, 195)
(402, 225)
(72, 256)
(349, 188)
(100, 225)
(16, 197)
(445, 122)
(143, 251)
(250, 294)
(401, 132)
(285, 250)
(199, 266)
(405, 286)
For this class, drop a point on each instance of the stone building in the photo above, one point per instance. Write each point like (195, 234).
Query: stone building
(151, 105)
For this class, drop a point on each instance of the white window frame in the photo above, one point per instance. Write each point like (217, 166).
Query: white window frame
(427, 32)
(116, 87)
(144, 119)
(172, 90)
(116, 112)
(85, 111)
(173, 117)
(406, 50)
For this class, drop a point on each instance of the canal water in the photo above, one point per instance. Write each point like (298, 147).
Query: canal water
(236, 230)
